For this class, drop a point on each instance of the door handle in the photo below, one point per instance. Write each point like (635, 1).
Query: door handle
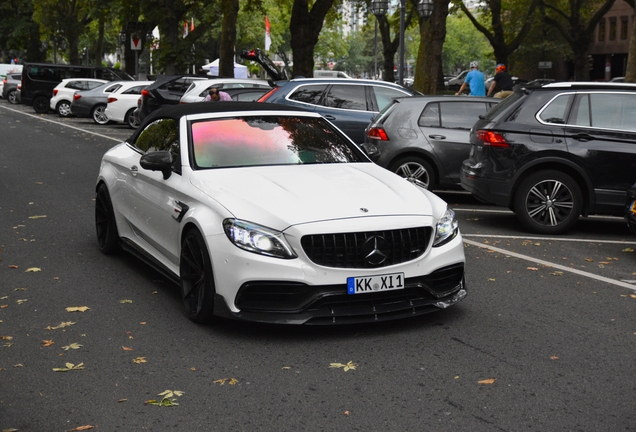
(329, 117)
(583, 137)
(437, 137)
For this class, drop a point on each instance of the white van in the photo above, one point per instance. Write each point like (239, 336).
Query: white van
(330, 74)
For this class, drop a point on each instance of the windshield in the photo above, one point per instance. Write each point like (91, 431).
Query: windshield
(500, 107)
(268, 140)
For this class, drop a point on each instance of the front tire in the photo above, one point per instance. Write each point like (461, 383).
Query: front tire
(99, 114)
(63, 108)
(415, 169)
(41, 105)
(197, 278)
(106, 227)
(548, 202)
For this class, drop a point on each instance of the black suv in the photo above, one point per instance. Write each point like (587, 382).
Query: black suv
(166, 90)
(554, 152)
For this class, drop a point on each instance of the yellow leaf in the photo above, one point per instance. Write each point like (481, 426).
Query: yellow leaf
(32, 270)
(126, 348)
(74, 346)
(20, 289)
(589, 260)
(231, 382)
(491, 279)
(349, 366)
(532, 268)
(140, 360)
(487, 381)
(286, 367)
(47, 343)
(122, 400)
(21, 301)
(628, 250)
(193, 368)
(125, 301)
(77, 309)
(6, 337)
(82, 428)
(37, 217)
(4, 298)
(633, 296)
(61, 325)
(556, 273)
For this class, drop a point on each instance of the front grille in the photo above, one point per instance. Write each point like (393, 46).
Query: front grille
(371, 249)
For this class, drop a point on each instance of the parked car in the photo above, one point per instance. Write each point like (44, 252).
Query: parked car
(166, 90)
(92, 103)
(10, 87)
(64, 91)
(267, 213)
(251, 89)
(555, 152)
(39, 80)
(630, 209)
(122, 102)
(349, 104)
(456, 82)
(425, 138)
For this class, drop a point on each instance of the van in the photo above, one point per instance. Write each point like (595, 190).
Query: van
(330, 74)
(39, 80)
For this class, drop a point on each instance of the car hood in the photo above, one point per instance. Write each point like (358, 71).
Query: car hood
(281, 196)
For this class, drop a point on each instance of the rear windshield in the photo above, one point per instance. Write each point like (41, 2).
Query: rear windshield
(268, 140)
(502, 106)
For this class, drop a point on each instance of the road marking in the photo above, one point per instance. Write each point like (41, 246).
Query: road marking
(553, 265)
(61, 124)
(551, 239)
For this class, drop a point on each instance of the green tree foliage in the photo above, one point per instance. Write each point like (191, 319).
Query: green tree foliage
(19, 33)
(463, 44)
(576, 21)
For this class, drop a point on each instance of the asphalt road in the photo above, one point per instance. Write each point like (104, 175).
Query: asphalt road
(545, 340)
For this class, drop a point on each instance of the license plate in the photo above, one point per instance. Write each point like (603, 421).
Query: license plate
(366, 284)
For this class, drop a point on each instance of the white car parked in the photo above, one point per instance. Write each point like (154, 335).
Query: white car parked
(123, 102)
(64, 91)
(266, 213)
(240, 89)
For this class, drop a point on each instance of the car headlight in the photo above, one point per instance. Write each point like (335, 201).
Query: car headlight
(257, 239)
(446, 229)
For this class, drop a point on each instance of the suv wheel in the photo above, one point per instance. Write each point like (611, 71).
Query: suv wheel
(41, 105)
(415, 169)
(548, 202)
(99, 114)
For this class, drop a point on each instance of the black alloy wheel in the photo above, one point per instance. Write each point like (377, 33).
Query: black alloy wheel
(197, 279)
(41, 104)
(548, 202)
(99, 114)
(415, 169)
(63, 108)
(107, 235)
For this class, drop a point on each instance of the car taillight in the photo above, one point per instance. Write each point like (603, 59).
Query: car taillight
(145, 93)
(55, 91)
(268, 94)
(377, 133)
(4, 81)
(76, 96)
(492, 139)
(112, 99)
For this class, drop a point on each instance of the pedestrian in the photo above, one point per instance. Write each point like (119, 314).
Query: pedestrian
(215, 95)
(474, 79)
(503, 80)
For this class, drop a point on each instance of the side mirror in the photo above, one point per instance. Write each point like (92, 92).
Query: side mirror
(158, 161)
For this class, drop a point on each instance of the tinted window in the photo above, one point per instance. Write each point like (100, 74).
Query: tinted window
(268, 140)
(384, 96)
(347, 97)
(555, 111)
(112, 88)
(461, 115)
(430, 116)
(136, 90)
(93, 84)
(605, 110)
(162, 134)
(502, 106)
(309, 94)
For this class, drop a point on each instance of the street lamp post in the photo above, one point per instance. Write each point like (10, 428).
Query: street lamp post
(424, 10)
(379, 8)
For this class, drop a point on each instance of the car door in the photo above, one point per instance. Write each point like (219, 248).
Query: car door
(446, 126)
(601, 132)
(149, 200)
(345, 105)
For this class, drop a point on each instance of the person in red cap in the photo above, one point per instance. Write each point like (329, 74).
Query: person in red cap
(504, 80)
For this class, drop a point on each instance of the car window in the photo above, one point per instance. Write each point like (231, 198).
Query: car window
(249, 96)
(461, 115)
(77, 85)
(605, 110)
(268, 140)
(309, 94)
(93, 84)
(162, 134)
(556, 110)
(106, 75)
(112, 88)
(347, 97)
(136, 90)
(430, 116)
(384, 96)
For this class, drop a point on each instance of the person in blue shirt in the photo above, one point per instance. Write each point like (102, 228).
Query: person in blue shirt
(474, 79)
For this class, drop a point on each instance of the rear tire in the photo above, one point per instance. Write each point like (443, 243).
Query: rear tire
(548, 202)
(63, 108)
(197, 278)
(105, 224)
(12, 97)
(41, 104)
(99, 114)
(131, 120)
(415, 169)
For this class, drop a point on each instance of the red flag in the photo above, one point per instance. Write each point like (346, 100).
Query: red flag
(185, 29)
(192, 24)
(268, 36)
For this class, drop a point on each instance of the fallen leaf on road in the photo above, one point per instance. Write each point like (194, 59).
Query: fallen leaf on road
(4, 297)
(532, 268)
(345, 367)
(13, 266)
(125, 301)
(33, 270)
(126, 348)
(628, 250)
(20, 289)
(47, 343)
(556, 273)
(140, 360)
(69, 367)
(554, 358)
(61, 325)
(286, 367)
(21, 301)
(589, 260)
(122, 400)
(82, 428)
(6, 337)
(4, 306)
(74, 346)
(487, 381)
(77, 309)
(230, 381)
(37, 217)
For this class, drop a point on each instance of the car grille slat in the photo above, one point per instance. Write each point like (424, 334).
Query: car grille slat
(351, 250)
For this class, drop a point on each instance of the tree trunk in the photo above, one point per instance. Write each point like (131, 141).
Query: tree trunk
(429, 54)
(228, 38)
(630, 73)
(305, 26)
(389, 48)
